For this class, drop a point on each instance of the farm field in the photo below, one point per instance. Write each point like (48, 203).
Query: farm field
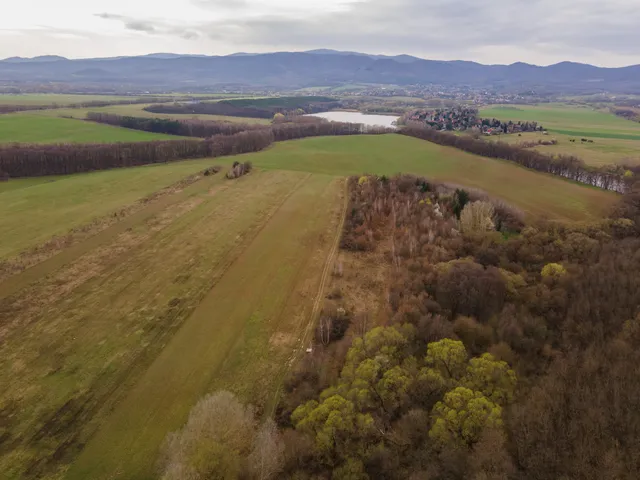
(66, 99)
(221, 280)
(603, 151)
(36, 209)
(538, 194)
(137, 110)
(59, 99)
(615, 139)
(33, 128)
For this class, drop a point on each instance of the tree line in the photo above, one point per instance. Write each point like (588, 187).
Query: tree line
(610, 177)
(254, 108)
(31, 160)
(186, 127)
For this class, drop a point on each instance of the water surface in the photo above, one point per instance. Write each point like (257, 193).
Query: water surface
(357, 117)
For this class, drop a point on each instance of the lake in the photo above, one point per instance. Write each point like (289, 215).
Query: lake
(357, 117)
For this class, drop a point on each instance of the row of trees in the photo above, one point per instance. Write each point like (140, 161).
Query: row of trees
(254, 108)
(185, 128)
(30, 160)
(609, 178)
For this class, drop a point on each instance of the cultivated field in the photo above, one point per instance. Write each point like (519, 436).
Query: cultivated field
(215, 287)
(35, 209)
(34, 128)
(137, 110)
(615, 139)
(602, 151)
(538, 194)
(67, 99)
(56, 99)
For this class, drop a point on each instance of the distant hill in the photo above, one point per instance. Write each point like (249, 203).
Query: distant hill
(42, 58)
(285, 70)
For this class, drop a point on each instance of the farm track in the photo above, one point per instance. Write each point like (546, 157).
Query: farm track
(311, 319)
(237, 337)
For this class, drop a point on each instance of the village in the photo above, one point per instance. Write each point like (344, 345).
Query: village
(462, 118)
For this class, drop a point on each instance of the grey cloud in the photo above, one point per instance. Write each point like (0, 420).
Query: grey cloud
(154, 27)
(440, 28)
(140, 26)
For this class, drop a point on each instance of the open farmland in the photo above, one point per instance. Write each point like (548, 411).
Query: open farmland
(601, 151)
(137, 110)
(538, 194)
(224, 277)
(34, 128)
(36, 209)
(56, 99)
(108, 344)
(615, 139)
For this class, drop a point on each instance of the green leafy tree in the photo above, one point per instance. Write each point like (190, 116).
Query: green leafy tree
(335, 424)
(493, 378)
(462, 416)
(447, 357)
(553, 270)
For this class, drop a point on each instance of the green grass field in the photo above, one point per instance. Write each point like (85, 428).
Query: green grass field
(221, 279)
(138, 111)
(33, 128)
(53, 99)
(538, 194)
(55, 205)
(615, 139)
(108, 344)
(603, 151)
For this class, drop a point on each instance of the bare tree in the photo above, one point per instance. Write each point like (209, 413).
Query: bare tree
(266, 458)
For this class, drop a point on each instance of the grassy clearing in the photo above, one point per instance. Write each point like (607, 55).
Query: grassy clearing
(239, 336)
(33, 128)
(35, 209)
(603, 151)
(615, 139)
(137, 111)
(538, 194)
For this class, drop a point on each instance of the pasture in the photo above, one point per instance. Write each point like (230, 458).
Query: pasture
(538, 194)
(137, 110)
(615, 139)
(221, 280)
(108, 344)
(601, 151)
(56, 99)
(35, 128)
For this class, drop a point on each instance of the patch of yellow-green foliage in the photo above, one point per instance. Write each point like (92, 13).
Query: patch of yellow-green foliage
(378, 376)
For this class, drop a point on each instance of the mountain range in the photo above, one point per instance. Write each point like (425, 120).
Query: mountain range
(286, 70)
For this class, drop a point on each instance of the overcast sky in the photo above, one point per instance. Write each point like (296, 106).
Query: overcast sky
(601, 32)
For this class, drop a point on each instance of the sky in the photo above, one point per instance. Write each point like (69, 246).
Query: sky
(542, 32)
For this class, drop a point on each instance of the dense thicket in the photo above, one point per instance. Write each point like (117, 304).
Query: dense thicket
(573, 168)
(506, 356)
(22, 160)
(186, 127)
